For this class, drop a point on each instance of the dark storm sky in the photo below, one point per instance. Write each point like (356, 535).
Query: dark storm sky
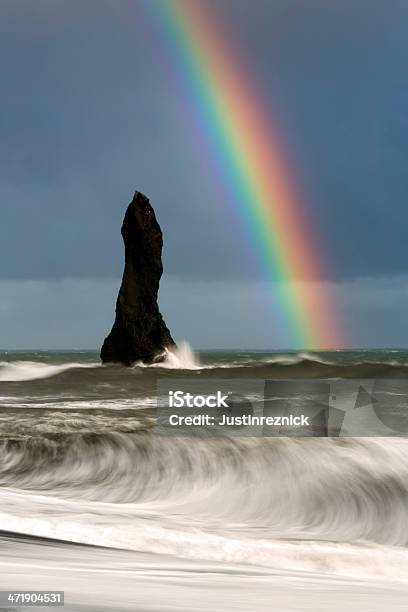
(88, 116)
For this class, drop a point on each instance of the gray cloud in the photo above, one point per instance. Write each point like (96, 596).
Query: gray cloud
(89, 114)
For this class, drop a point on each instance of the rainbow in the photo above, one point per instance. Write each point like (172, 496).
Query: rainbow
(253, 166)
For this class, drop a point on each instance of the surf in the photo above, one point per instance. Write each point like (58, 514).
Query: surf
(347, 516)
(20, 371)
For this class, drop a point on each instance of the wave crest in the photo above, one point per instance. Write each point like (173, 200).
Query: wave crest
(181, 357)
(19, 371)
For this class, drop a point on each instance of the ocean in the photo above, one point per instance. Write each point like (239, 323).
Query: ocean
(94, 502)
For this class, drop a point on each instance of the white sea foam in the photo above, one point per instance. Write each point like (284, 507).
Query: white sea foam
(88, 404)
(15, 371)
(112, 580)
(181, 357)
(145, 535)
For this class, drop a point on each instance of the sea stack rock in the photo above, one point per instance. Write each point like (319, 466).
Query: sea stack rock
(139, 332)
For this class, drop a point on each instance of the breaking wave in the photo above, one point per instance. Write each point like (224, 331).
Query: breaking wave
(83, 463)
(17, 371)
(312, 504)
(183, 358)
